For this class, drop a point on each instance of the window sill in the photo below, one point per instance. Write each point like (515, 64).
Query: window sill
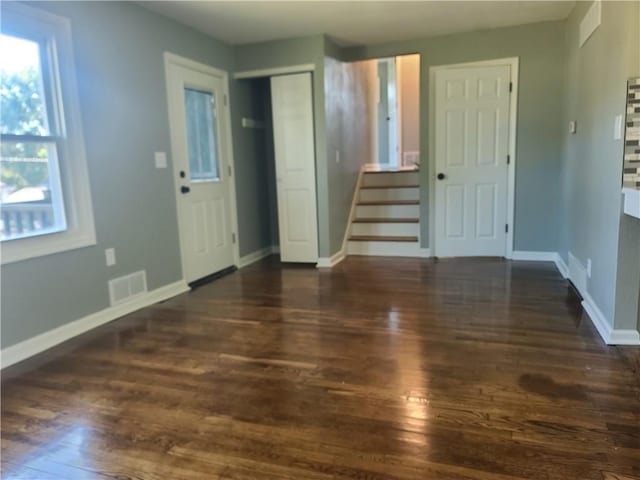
(38, 246)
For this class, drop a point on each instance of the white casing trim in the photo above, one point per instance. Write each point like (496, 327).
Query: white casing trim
(32, 346)
(270, 72)
(425, 252)
(352, 212)
(328, 262)
(256, 256)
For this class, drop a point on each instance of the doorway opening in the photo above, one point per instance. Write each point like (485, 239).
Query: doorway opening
(277, 124)
(398, 132)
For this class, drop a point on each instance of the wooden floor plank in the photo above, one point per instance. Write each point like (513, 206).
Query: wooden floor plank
(380, 368)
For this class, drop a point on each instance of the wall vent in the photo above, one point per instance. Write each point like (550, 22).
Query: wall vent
(124, 289)
(591, 21)
(577, 274)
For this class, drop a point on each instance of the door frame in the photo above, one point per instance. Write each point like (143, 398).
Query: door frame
(394, 133)
(514, 63)
(172, 60)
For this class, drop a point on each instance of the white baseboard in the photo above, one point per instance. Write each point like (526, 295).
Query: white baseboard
(534, 256)
(624, 337)
(597, 317)
(28, 348)
(258, 255)
(609, 335)
(328, 262)
(561, 266)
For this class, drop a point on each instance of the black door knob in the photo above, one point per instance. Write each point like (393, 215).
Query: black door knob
(184, 189)
(441, 176)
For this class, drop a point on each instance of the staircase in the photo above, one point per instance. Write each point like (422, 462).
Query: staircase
(387, 211)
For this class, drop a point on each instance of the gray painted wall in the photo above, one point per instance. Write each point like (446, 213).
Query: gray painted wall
(593, 226)
(539, 135)
(350, 112)
(118, 51)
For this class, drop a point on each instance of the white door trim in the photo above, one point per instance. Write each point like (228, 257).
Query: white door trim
(270, 72)
(513, 62)
(176, 60)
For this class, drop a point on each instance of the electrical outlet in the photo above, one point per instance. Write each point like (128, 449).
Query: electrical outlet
(160, 159)
(110, 256)
(589, 268)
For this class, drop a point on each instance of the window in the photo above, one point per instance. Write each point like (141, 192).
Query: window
(45, 204)
(201, 135)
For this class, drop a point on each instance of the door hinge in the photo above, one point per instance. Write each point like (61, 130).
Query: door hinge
(506, 228)
(229, 169)
(510, 86)
(508, 159)
(233, 237)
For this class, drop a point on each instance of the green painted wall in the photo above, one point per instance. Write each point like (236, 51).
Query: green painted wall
(593, 225)
(539, 135)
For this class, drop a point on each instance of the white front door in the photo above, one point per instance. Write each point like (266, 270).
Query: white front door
(198, 120)
(292, 107)
(471, 145)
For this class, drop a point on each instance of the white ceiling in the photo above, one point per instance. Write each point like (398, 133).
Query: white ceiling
(353, 22)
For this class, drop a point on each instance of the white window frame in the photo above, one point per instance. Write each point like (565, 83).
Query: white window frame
(55, 31)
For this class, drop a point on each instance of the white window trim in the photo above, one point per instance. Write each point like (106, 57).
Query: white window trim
(80, 230)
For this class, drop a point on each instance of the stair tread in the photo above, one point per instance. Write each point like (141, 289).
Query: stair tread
(385, 220)
(381, 238)
(376, 172)
(389, 202)
(373, 187)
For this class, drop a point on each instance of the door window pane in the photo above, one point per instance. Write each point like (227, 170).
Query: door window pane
(30, 195)
(22, 99)
(202, 139)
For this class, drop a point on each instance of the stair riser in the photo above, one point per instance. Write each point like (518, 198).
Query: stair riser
(388, 211)
(390, 194)
(396, 178)
(386, 229)
(385, 249)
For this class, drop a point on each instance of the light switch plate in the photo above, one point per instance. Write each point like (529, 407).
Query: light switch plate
(110, 256)
(161, 159)
(617, 128)
(572, 126)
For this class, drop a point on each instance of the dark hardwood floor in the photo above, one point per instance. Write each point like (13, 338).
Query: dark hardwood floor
(382, 368)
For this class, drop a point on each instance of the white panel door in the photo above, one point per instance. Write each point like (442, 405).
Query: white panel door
(472, 141)
(196, 106)
(292, 107)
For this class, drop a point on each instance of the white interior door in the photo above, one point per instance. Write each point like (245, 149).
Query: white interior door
(199, 121)
(292, 107)
(471, 145)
